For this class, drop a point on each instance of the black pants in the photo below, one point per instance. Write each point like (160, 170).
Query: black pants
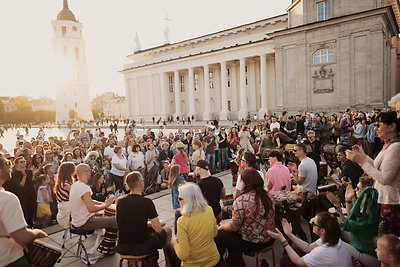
(235, 244)
(118, 181)
(28, 205)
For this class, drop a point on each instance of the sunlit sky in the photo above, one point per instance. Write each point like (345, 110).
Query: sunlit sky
(26, 52)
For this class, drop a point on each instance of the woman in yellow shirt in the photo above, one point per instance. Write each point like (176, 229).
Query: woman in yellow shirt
(197, 228)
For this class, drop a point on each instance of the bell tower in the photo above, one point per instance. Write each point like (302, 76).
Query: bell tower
(72, 96)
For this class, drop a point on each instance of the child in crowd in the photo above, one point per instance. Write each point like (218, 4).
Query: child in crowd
(43, 213)
(52, 177)
(164, 175)
(174, 181)
(388, 250)
(106, 171)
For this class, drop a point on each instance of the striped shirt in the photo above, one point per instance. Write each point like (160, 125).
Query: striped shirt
(62, 194)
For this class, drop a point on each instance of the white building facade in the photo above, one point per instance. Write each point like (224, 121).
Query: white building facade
(72, 96)
(115, 107)
(320, 56)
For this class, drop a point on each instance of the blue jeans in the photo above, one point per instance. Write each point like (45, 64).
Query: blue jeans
(21, 262)
(211, 160)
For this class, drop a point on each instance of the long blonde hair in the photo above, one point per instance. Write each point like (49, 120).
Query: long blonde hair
(173, 175)
(193, 198)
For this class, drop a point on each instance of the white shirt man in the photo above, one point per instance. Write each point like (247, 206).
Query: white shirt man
(274, 124)
(13, 232)
(306, 176)
(109, 150)
(83, 206)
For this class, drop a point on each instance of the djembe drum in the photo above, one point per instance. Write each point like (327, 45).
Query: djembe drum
(42, 254)
(107, 245)
(289, 153)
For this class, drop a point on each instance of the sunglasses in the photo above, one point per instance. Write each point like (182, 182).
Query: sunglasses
(295, 150)
(180, 199)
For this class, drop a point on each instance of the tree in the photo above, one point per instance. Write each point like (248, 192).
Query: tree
(22, 104)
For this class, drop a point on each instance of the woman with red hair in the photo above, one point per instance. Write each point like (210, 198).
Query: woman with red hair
(253, 215)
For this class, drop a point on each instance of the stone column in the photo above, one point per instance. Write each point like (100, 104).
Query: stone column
(150, 104)
(136, 93)
(263, 86)
(177, 91)
(243, 98)
(192, 104)
(164, 96)
(223, 115)
(207, 108)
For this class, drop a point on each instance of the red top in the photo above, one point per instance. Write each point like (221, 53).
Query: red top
(182, 161)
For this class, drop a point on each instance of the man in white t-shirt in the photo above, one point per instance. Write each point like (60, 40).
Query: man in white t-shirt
(248, 160)
(306, 176)
(83, 207)
(13, 232)
(109, 150)
(274, 124)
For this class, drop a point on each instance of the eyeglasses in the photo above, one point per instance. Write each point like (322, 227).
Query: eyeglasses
(314, 224)
(180, 199)
(243, 160)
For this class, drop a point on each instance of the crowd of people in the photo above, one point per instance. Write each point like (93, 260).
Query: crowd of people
(50, 180)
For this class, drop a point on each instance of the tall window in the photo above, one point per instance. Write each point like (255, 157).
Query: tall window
(229, 106)
(171, 84)
(63, 30)
(323, 56)
(228, 73)
(196, 81)
(211, 79)
(324, 10)
(182, 80)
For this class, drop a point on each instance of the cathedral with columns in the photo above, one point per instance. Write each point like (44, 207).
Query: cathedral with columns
(321, 55)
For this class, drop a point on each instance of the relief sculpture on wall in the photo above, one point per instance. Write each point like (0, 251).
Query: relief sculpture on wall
(323, 81)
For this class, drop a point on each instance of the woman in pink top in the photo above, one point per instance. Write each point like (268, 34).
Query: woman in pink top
(181, 159)
(278, 176)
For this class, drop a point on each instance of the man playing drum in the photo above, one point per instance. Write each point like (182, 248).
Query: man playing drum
(83, 207)
(13, 232)
(134, 213)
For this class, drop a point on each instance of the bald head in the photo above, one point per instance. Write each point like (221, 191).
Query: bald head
(83, 172)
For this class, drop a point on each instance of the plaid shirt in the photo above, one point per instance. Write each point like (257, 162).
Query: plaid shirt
(251, 221)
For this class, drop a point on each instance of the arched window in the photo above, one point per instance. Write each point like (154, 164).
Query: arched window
(323, 56)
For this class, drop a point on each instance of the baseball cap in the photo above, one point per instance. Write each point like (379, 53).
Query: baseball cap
(179, 145)
(203, 164)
